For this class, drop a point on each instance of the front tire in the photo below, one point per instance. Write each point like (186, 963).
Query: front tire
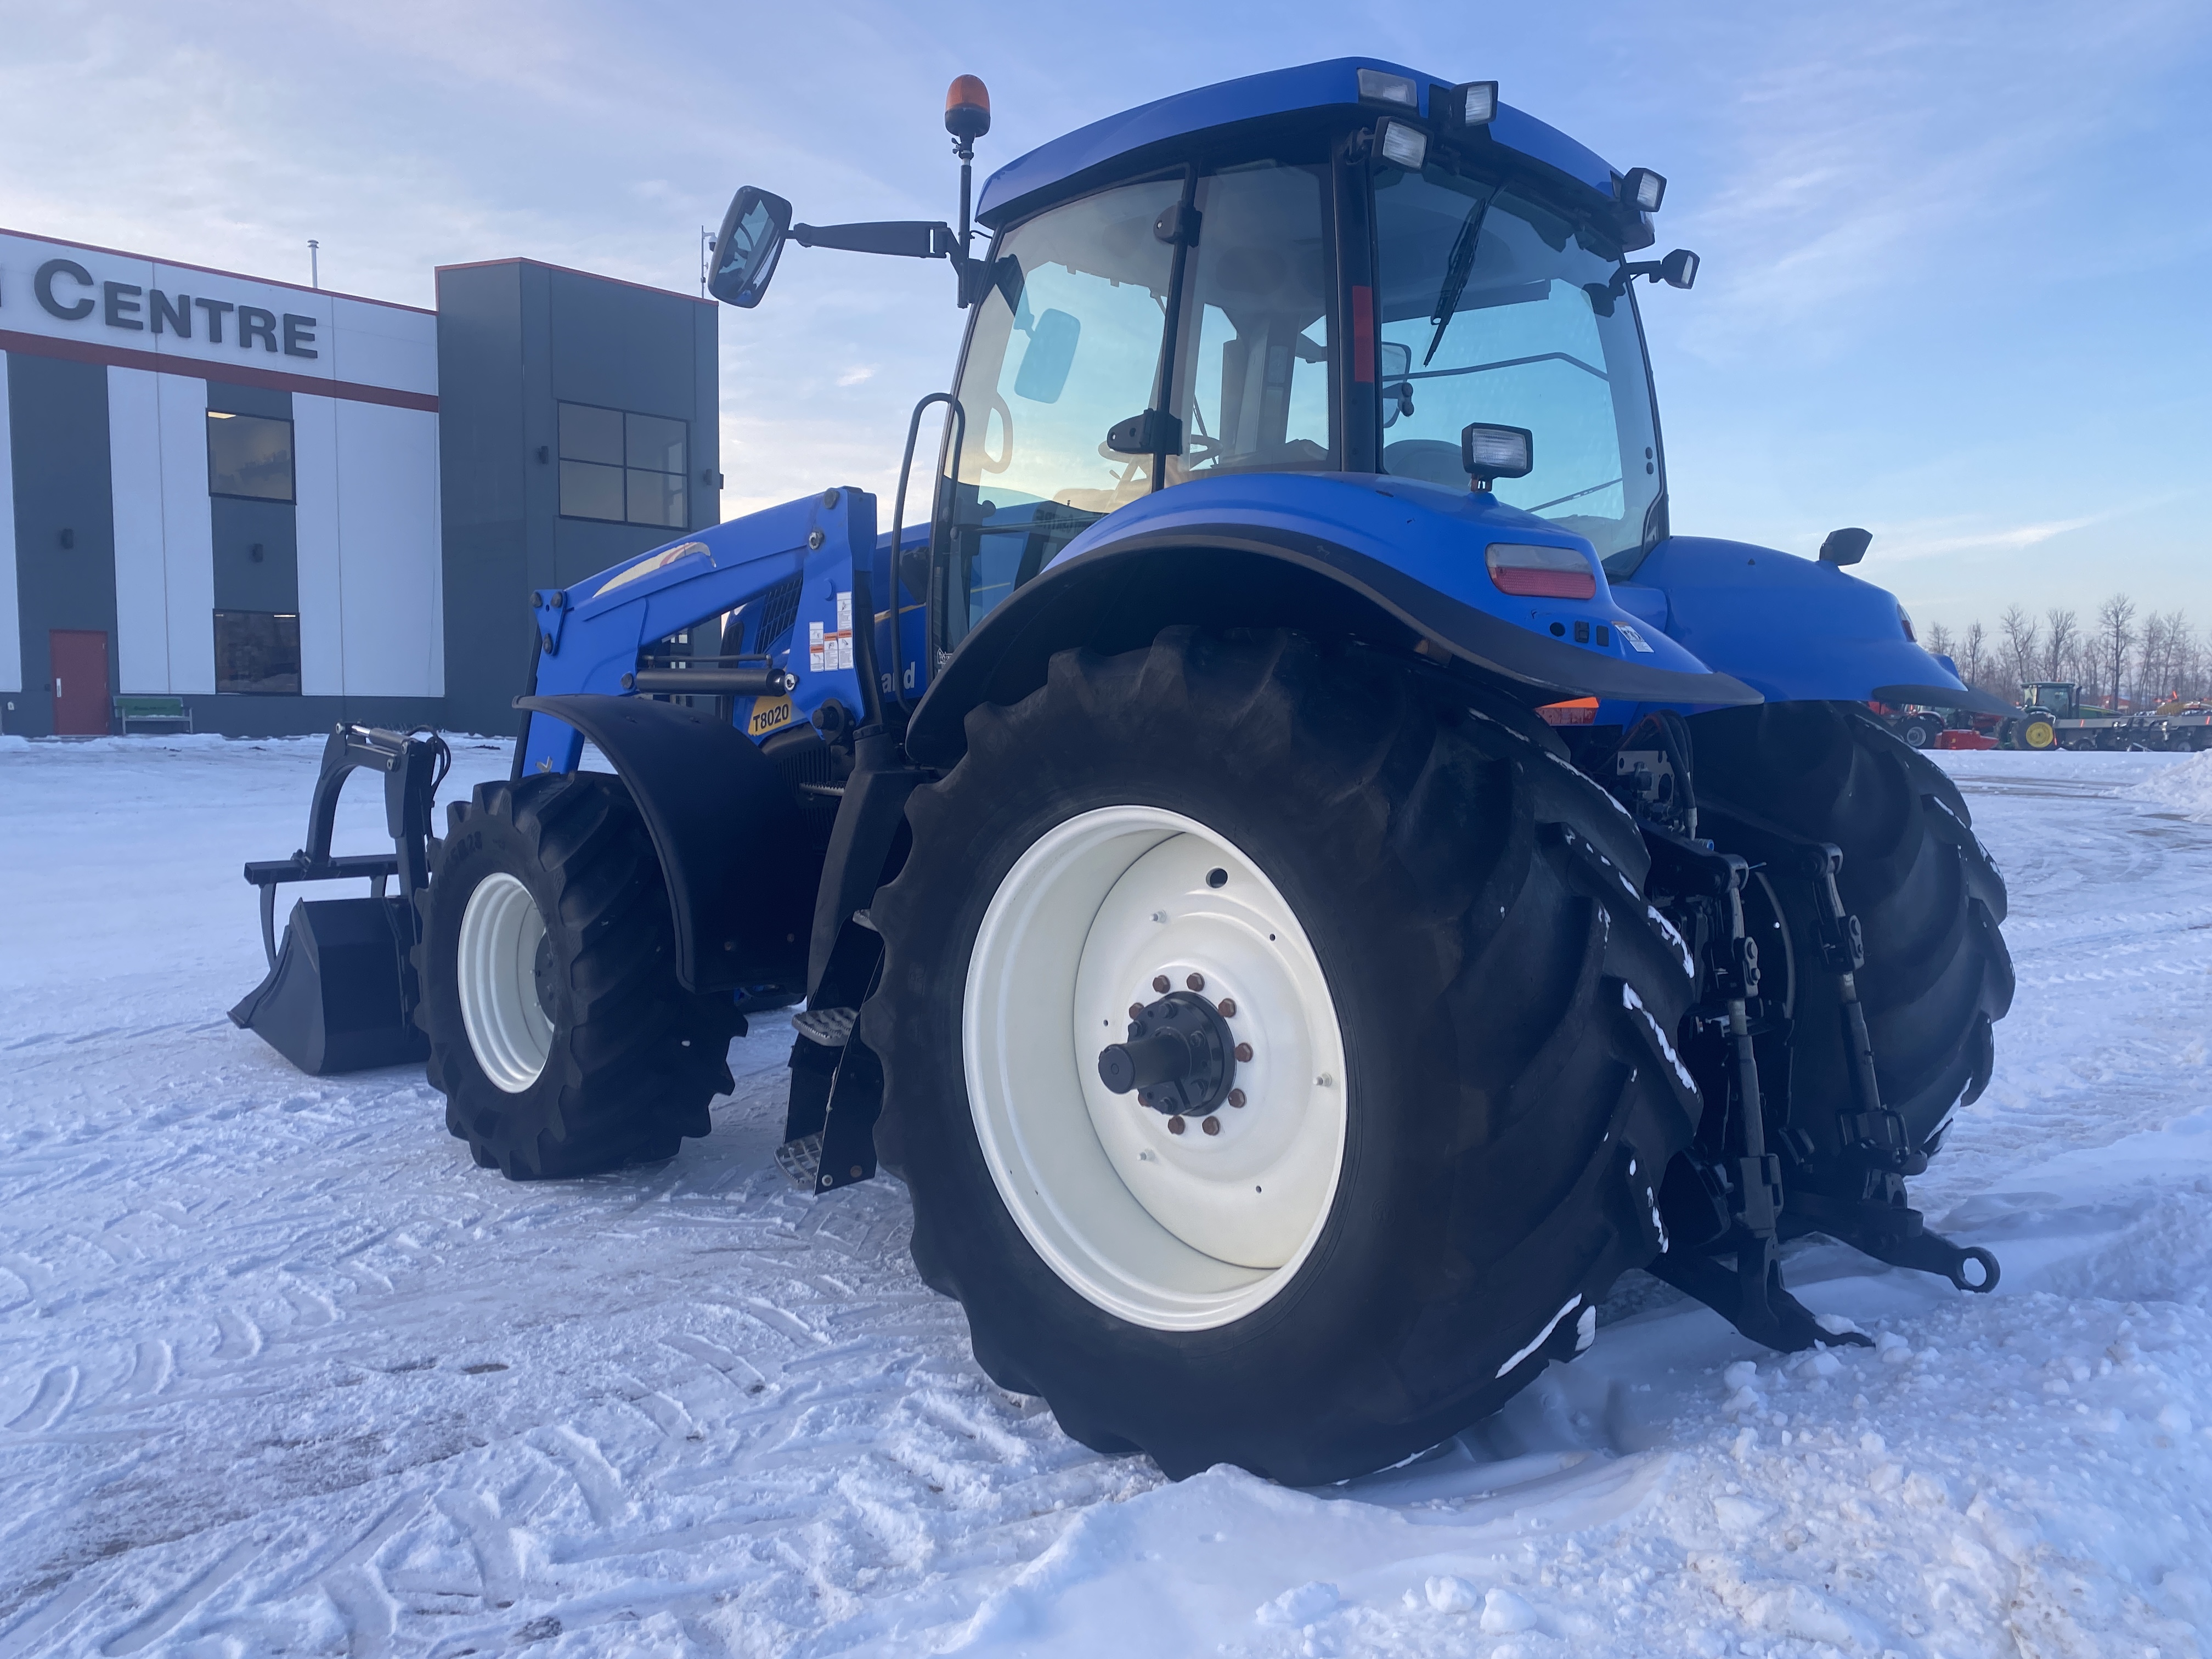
(1460, 1090)
(559, 1034)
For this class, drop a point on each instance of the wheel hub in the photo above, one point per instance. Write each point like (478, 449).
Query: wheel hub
(1179, 1058)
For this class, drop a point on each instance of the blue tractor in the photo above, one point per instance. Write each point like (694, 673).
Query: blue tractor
(1301, 870)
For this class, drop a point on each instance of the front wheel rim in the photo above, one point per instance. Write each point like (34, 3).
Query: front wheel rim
(509, 1031)
(1185, 1230)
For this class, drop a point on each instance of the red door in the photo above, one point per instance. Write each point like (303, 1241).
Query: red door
(79, 659)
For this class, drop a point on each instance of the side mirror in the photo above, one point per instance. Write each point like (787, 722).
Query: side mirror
(1051, 354)
(746, 251)
(1846, 546)
(1679, 269)
(1397, 390)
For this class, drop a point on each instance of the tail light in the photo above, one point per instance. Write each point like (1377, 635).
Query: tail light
(1541, 572)
(1904, 621)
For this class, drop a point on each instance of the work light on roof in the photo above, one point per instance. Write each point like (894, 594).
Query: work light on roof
(1381, 87)
(1643, 190)
(1475, 103)
(1402, 145)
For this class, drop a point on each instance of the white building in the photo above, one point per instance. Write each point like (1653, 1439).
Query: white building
(223, 492)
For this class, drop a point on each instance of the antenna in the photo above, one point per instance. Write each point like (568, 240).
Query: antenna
(315, 263)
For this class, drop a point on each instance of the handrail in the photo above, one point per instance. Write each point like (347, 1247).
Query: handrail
(898, 527)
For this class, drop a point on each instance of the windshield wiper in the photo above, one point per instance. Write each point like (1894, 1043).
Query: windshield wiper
(1458, 267)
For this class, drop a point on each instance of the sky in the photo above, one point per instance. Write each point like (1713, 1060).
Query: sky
(1952, 253)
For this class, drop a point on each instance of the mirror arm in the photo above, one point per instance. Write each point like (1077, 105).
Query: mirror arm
(912, 238)
(1625, 278)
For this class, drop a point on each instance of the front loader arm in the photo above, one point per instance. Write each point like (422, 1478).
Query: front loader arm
(740, 870)
(590, 633)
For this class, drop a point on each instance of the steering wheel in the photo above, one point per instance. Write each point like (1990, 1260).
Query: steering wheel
(983, 461)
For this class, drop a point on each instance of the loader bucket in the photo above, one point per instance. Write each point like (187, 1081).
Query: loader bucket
(340, 993)
(334, 999)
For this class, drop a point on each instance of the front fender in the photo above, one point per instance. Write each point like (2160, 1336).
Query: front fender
(1793, 628)
(1383, 558)
(728, 832)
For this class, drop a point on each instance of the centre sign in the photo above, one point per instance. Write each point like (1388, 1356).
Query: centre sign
(66, 291)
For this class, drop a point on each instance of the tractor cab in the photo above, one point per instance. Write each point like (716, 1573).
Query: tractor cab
(1340, 288)
(1343, 268)
(2060, 699)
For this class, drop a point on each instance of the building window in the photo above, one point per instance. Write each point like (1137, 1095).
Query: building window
(258, 653)
(624, 468)
(249, 455)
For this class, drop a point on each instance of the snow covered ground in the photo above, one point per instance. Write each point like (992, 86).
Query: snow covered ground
(281, 1371)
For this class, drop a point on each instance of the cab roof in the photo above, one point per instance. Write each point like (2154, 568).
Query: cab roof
(1309, 87)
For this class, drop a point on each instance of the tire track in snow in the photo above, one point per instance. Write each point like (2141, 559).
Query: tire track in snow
(175, 1609)
(56, 1388)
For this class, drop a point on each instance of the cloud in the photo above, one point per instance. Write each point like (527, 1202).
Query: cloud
(1933, 539)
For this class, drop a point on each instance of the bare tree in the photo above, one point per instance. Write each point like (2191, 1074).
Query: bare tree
(2116, 636)
(1973, 652)
(2172, 660)
(2192, 670)
(2060, 643)
(2019, 629)
(2154, 664)
(1938, 643)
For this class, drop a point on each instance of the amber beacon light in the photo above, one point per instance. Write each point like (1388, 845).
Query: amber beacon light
(968, 109)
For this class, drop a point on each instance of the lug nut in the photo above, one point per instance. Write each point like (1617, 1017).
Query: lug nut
(1136, 1010)
(1159, 981)
(1176, 1126)
(1196, 981)
(1243, 1051)
(1236, 1097)
(1211, 1126)
(1229, 1007)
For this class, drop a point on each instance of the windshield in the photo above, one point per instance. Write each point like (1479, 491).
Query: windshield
(1494, 309)
(1067, 346)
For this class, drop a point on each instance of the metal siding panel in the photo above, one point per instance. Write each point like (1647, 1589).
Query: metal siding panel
(377, 345)
(141, 577)
(315, 525)
(389, 575)
(58, 416)
(621, 347)
(488, 431)
(11, 639)
(706, 421)
(187, 533)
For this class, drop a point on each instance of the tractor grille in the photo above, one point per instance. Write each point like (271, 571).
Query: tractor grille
(776, 614)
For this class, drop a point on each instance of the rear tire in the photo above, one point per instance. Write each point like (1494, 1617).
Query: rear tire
(558, 1032)
(1926, 893)
(1462, 952)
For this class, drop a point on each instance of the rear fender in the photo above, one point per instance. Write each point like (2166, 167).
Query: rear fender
(1333, 575)
(733, 849)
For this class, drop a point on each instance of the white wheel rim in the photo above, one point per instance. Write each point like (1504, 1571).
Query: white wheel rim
(1182, 1232)
(509, 1031)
